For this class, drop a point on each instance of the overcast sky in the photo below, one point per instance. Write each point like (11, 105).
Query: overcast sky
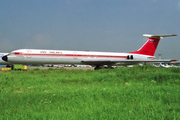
(95, 25)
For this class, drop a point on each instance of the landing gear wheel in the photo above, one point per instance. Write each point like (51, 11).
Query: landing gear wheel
(97, 67)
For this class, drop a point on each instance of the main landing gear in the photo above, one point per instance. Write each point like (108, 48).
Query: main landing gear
(104, 66)
(98, 67)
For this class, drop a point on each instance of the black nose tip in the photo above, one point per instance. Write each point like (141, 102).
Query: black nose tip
(5, 58)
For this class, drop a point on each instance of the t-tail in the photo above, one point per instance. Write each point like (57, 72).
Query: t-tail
(150, 46)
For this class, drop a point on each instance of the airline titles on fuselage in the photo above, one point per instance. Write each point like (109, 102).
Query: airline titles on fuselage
(51, 52)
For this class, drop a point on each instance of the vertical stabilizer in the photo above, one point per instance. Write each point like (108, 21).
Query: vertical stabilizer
(150, 46)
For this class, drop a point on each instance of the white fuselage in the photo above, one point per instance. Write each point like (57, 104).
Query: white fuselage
(34, 56)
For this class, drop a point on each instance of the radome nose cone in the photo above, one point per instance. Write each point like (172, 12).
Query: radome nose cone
(5, 58)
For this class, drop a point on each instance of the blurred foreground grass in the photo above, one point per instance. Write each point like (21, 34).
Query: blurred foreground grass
(140, 92)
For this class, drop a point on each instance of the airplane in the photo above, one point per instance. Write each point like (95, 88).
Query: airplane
(97, 59)
(2, 62)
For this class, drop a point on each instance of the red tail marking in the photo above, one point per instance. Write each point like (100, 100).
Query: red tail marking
(149, 47)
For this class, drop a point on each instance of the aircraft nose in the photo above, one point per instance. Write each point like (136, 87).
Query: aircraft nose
(5, 58)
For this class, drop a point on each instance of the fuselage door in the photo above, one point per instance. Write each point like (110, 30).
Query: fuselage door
(29, 55)
(74, 55)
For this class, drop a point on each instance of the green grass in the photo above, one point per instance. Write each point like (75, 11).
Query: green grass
(140, 92)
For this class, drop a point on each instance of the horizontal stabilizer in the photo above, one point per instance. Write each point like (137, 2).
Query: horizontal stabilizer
(157, 36)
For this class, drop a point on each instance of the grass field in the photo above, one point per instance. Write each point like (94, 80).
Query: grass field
(140, 92)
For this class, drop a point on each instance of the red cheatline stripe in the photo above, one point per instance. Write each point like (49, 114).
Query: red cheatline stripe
(68, 55)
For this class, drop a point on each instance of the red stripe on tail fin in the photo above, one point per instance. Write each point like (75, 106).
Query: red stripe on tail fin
(149, 47)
